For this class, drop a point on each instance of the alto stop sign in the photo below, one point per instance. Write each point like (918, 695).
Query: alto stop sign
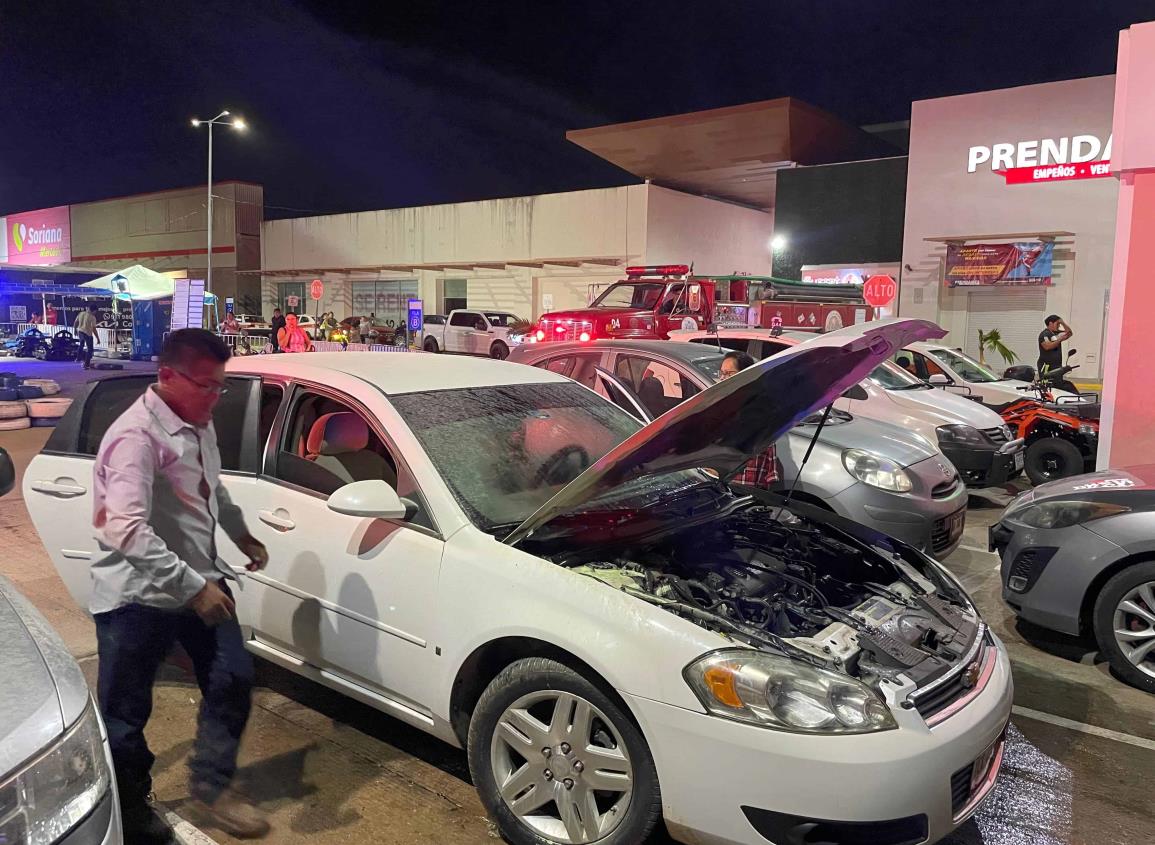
(316, 290)
(879, 291)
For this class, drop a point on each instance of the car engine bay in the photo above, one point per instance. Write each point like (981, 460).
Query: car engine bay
(771, 579)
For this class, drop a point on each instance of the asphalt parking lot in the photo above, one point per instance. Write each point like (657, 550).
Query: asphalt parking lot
(330, 770)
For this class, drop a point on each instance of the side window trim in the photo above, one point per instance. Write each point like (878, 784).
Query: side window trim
(293, 388)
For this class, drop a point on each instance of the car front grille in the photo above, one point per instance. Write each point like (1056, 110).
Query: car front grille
(970, 678)
(1028, 566)
(960, 788)
(947, 530)
(999, 434)
(565, 329)
(946, 489)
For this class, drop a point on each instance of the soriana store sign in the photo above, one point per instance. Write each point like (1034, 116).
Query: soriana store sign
(1044, 159)
(39, 237)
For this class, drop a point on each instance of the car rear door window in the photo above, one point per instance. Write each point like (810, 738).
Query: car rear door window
(659, 386)
(464, 319)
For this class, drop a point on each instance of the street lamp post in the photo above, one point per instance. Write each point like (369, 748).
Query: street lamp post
(239, 125)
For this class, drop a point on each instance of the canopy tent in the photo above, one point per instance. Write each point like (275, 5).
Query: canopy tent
(138, 283)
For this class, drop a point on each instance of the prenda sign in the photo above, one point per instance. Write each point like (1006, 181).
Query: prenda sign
(1045, 159)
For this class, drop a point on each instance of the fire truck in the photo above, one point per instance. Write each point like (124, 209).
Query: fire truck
(653, 301)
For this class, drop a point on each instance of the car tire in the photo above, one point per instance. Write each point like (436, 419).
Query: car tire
(13, 410)
(1134, 587)
(499, 351)
(430, 345)
(527, 694)
(1052, 458)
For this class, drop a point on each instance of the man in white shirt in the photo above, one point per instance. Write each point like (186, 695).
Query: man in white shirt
(157, 502)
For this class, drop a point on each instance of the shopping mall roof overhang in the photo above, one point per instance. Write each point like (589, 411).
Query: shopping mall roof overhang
(730, 153)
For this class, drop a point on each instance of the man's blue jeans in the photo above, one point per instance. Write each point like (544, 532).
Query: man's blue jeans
(132, 642)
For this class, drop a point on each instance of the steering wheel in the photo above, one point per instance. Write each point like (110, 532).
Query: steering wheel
(557, 461)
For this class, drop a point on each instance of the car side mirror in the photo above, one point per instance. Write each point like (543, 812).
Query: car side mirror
(939, 379)
(375, 499)
(857, 392)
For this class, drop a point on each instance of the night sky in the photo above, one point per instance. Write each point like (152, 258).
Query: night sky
(376, 105)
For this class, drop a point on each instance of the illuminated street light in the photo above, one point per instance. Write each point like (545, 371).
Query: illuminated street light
(778, 243)
(240, 125)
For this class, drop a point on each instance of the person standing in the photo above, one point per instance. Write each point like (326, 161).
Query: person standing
(763, 470)
(275, 326)
(1051, 343)
(85, 326)
(157, 501)
(365, 327)
(292, 338)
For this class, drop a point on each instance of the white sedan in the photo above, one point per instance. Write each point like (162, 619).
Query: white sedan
(502, 558)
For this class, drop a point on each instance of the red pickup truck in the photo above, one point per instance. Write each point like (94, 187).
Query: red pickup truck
(653, 301)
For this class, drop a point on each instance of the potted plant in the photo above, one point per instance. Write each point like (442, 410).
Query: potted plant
(993, 341)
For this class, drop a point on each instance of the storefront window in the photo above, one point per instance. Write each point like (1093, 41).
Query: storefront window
(385, 300)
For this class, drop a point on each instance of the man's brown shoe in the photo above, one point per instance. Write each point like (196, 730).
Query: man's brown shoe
(235, 815)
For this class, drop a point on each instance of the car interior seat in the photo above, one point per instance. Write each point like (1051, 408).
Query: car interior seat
(339, 443)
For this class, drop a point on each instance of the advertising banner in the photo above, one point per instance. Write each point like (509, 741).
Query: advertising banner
(39, 238)
(972, 265)
(835, 275)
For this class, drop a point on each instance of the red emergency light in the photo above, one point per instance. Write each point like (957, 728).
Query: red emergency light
(659, 270)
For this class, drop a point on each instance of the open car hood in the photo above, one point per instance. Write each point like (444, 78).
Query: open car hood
(722, 427)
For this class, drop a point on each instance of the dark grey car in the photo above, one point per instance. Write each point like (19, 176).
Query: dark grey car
(56, 784)
(1078, 556)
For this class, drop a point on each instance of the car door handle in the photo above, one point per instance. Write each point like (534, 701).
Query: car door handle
(65, 488)
(279, 522)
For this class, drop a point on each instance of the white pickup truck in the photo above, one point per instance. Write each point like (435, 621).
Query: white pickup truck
(472, 332)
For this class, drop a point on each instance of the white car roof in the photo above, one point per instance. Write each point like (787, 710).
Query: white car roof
(397, 373)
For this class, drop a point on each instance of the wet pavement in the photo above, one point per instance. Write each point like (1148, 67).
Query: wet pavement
(1081, 748)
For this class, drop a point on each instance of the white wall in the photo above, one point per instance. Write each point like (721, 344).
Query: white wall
(944, 199)
(717, 237)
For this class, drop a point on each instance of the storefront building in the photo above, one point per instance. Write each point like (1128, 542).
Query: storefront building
(164, 231)
(1021, 166)
(526, 255)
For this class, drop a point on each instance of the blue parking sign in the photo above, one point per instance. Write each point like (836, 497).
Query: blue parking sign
(416, 320)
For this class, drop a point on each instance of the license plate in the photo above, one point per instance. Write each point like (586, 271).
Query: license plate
(1019, 461)
(957, 521)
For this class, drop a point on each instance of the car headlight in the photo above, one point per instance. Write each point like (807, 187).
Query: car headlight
(961, 435)
(778, 692)
(1063, 514)
(876, 471)
(53, 793)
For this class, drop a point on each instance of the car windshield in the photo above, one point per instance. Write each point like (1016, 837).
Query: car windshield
(506, 451)
(500, 319)
(631, 295)
(893, 377)
(967, 368)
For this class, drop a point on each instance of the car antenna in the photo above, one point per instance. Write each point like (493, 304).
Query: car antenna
(809, 449)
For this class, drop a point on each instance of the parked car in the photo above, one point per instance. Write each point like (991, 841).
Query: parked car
(977, 441)
(472, 332)
(958, 372)
(379, 330)
(253, 324)
(1077, 557)
(504, 559)
(871, 472)
(56, 782)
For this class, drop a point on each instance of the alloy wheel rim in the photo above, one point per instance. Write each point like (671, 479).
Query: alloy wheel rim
(1134, 627)
(562, 767)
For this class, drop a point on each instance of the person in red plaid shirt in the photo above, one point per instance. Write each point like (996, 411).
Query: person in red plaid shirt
(762, 471)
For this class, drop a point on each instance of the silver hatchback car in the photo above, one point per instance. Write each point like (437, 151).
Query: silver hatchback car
(56, 783)
(873, 473)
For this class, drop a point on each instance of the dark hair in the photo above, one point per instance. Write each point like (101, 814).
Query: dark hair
(275, 310)
(1053, 318)
(741, 359)
(186, 345)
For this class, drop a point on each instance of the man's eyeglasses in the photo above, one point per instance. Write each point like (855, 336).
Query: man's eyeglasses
(216, 389)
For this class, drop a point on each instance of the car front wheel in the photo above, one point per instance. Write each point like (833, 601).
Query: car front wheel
(556, 760)
(499, 351)
(1125, 624)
